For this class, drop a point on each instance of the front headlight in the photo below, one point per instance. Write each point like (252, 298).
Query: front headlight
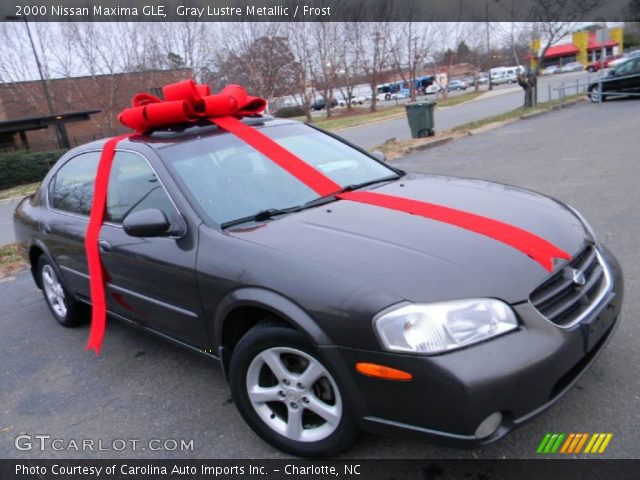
(444, 326)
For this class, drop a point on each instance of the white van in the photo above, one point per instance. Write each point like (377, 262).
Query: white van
(502, 75)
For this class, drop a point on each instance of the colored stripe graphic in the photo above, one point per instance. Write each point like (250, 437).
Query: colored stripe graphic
(581, 443)
(605, 443)
(572, 443)
(543, 443)
(567, 443)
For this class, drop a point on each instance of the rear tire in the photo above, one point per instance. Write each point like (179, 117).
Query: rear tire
(65, 309)
(288, 395)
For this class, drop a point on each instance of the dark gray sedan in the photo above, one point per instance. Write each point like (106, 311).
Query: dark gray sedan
(622, 80)
(330, 316)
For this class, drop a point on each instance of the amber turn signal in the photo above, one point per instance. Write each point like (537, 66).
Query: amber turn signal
(380, 371)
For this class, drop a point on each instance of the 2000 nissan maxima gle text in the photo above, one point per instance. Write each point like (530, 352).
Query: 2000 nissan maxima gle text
(331, 314)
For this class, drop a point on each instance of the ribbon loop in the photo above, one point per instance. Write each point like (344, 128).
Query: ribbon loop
(186, 102)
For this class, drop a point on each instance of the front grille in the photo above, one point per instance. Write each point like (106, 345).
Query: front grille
(567, 297)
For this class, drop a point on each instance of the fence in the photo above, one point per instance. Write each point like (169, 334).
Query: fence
(578, 87)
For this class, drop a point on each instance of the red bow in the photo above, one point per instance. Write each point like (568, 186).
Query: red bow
(186, 102)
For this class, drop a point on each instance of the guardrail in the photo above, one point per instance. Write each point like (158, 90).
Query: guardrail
(577, 87)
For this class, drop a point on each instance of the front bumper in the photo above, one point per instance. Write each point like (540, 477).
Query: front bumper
(519, 374)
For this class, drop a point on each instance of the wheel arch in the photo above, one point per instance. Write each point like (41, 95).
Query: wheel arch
(36, 249)
(244, 308)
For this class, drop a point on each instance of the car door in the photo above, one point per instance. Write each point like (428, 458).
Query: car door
(619, 79)
(150, 280)
(69, 198)
(632, 83)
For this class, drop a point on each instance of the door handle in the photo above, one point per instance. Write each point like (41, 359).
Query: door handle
(104, 246)
(46, 229)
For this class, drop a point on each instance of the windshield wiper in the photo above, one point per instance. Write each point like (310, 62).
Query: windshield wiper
(354, 186)
(268, 214)
(261, 216)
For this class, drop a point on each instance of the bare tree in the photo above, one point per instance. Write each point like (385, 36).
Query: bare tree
(348, 59)
(555, 19)
(409, 48)
(299, 40)
(372, 39)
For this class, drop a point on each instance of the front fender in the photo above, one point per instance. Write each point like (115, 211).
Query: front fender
(268, 300)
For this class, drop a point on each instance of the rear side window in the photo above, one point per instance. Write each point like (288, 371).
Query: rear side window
(133, 186)
(72, 187)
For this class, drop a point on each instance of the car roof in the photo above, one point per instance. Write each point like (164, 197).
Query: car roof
(164, 137)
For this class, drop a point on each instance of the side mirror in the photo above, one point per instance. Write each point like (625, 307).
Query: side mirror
(146, 223)
(612, 73)
(378, 155)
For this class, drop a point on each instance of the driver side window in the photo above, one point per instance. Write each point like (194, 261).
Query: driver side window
(133, 186)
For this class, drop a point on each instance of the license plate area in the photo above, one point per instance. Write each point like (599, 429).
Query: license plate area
(594, 328)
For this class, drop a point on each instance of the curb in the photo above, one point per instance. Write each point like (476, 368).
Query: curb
(435, 143)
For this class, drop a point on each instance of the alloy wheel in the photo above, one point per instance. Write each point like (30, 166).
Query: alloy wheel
(294, 394)
(54, 291)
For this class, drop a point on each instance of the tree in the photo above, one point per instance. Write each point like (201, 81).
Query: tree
(266, 66)
(303, 52)
(373, 41)
(409, 49)
(555, 19)
(463, 52)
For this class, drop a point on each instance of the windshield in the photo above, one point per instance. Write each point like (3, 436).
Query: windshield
(230, 180)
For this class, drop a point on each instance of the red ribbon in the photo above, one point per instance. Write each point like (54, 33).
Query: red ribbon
(532, 245)
(91, 243)
(186, 102)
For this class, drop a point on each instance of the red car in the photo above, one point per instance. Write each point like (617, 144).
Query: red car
(597, 65)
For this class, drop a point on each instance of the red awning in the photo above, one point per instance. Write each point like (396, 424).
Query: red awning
(593, 44)
(561, 50)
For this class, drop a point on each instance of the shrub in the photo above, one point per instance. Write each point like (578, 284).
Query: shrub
(20, 167)
(288, 112)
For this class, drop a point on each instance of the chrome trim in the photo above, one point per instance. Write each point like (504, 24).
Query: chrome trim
(605, 289)
(117, 225)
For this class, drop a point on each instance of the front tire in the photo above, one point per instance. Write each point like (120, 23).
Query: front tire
(64, 308)
(595, 94)
(287, 395)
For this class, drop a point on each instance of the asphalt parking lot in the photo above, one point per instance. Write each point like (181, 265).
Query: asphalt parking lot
(143, 388)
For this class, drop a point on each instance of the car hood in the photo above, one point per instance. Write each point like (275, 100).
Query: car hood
(419, 259)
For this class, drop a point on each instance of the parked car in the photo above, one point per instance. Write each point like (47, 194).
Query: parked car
(329, 314)
(624, 78)
(550, 70)
(600, 64)
(321, 104)
(483, 80)
(355, 100)
(623, 58)
(456, 85)
(572, 67)
(433, 88)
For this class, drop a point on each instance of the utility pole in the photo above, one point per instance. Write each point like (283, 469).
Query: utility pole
(486, 6)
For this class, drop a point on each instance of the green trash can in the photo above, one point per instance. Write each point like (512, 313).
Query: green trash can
(420, 116)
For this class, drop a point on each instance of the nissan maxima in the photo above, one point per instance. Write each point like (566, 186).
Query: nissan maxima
(331, 314)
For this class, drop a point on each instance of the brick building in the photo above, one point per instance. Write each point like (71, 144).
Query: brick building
(108, 94)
